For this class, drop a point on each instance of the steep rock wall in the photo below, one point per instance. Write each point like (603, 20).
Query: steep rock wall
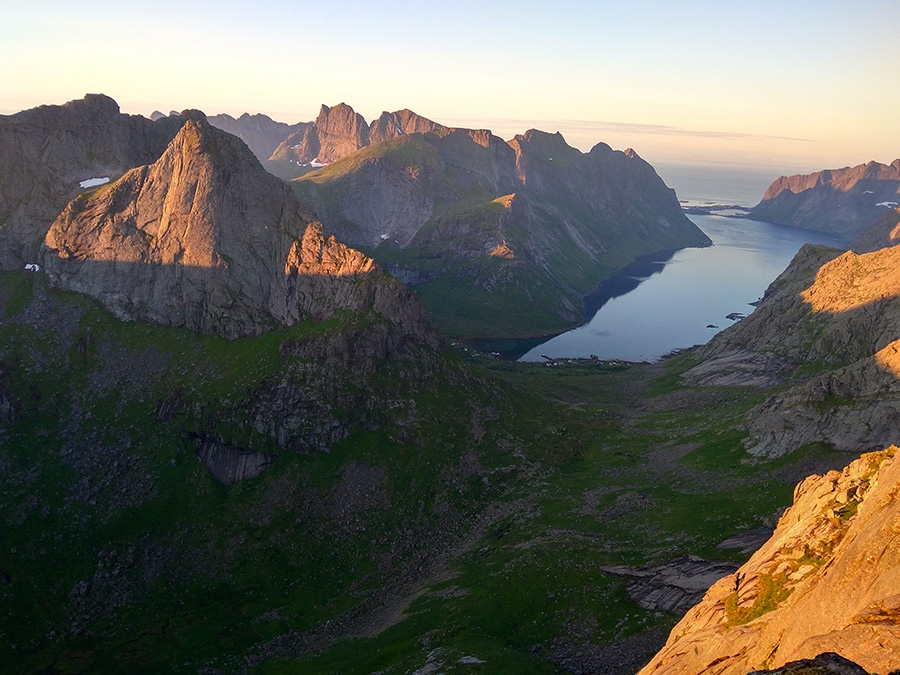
(826, 581)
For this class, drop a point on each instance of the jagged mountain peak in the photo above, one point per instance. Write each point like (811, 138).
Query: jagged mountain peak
(97, 103)
(58, 147)
(205, 238)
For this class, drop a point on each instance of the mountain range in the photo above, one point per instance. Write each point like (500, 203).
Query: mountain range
(843, 202)
(229, 442)
(497, 238)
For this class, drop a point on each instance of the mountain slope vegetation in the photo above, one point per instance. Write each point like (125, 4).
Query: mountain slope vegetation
(497, 239)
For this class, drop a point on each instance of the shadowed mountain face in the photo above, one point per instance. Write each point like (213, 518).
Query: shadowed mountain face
(47, 151)
(499, 238)
(829, 330)
(882, 233)
(340, 131)
(261, 133)
(206, 239)
(843, 202)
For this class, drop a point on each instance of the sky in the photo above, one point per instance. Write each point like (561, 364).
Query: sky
(797, 85)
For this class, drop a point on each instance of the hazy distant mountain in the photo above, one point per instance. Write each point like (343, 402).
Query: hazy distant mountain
(339, 131)
(261, 133)
(838, 201)
(498, 238)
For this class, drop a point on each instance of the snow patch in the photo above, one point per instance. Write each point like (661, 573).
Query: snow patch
(33, 267)
(294, 147)
(93, 182)
(889, 205)
(316, 164)
(869, 192)
(384, 236)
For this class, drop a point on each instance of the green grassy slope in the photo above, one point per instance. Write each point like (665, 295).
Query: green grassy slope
(556, 247)
(465, 513)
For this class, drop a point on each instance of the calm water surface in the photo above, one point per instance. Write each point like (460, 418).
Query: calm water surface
(697, 288)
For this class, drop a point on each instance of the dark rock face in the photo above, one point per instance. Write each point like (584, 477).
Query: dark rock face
(674, 587)
(46, 152)
(204, 238)
(843, 202)
(828, 663)
(230, 465)
(261, 133)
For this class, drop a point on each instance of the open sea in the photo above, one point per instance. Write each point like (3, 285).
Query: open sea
(657, 306)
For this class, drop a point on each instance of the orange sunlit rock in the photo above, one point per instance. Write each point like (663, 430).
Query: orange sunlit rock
(852, 280)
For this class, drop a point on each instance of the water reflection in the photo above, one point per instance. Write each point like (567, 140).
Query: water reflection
(676, 300)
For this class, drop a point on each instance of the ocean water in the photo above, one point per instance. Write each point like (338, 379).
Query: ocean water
(686, 300)
(727, 184)
(657, 306)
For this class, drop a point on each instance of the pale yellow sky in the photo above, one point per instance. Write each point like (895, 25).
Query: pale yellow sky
(804, 85)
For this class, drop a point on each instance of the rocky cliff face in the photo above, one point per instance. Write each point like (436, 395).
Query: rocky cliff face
(400, 123)
(340, 131)
(882, 233)
(827, 332)
(488, 229)
(842, 202)
(336, 133)
(261, 133)
(204, 238)
(825, 582)
(47, 151)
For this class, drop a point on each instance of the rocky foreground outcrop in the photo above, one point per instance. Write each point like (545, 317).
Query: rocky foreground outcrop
(843, 202)
(827, 336)
(204, 238)
(46, 152)
(827, 581)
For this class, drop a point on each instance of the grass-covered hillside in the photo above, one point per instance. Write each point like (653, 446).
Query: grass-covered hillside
(415, 506)
(497, 239)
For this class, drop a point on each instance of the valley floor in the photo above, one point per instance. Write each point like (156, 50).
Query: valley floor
(466, 528)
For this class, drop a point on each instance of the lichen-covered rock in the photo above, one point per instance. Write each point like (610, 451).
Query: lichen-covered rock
(826, 581)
